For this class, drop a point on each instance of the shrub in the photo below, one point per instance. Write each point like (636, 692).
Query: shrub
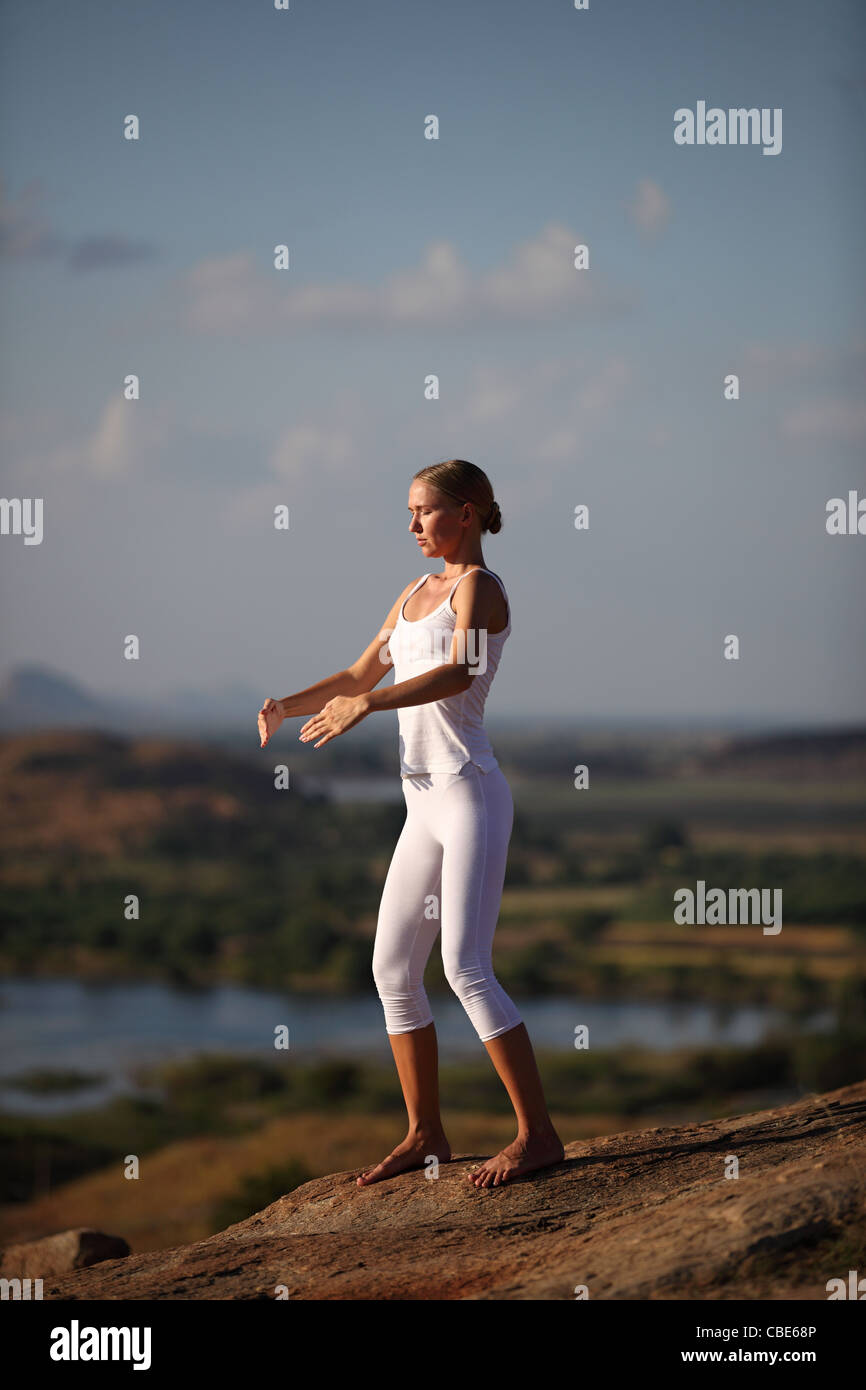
(259, 1190)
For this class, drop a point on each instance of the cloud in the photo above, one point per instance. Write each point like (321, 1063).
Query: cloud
(782, 361)
(595, 392)
(826, 421)
(536, 422)
(130, 442)
(313, 463)
(25, 234)
(111, 449)
(129, 438)
(650, 209)
(106, 252)
(538, 283)
(602, 389)
(558, 445)
(312, 448)
(532, 422)
(578, 388)
(23, 231)
(496, 393)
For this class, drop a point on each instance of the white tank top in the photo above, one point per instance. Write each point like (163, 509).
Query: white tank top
(444, 735)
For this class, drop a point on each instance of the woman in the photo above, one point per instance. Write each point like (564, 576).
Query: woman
(443, 636)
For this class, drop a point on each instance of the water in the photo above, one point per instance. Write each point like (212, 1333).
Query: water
(110, 1029)
(355, 789)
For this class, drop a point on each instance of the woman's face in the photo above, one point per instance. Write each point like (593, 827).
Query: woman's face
(434, 520)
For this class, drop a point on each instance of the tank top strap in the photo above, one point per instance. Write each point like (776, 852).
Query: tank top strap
(494, 576)
(463, 576)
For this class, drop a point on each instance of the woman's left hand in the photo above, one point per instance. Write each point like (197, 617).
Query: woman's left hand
(338, 715)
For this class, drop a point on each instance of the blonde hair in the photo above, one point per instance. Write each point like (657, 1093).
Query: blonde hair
(463, 482)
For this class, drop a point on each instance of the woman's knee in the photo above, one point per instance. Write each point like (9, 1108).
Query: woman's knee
(389, 973)
(467, 973)
(393, 976)
(489, 1009)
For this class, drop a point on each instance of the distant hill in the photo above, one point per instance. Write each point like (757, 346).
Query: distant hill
(38, 697)
(35, 697)
(799, 753)
(101, 793)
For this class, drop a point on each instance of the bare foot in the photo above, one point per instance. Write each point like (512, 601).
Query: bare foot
(412, 1153)
(524, 1155)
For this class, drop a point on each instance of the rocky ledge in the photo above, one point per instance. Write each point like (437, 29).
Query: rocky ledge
(649, 1214)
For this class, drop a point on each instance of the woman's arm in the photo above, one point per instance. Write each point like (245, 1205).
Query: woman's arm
(473, 607)
(475, 599)
(315, 696)
(437, 684)
(356, 680)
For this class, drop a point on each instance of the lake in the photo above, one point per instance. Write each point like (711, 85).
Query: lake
(344, 790)
(110, 1028)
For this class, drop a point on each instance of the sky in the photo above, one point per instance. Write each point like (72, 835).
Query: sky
(453, 257)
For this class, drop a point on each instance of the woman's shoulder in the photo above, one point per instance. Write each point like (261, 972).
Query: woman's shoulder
(490, 580)
(493, 579)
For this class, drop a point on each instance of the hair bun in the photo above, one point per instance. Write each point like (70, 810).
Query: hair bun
(494, 520)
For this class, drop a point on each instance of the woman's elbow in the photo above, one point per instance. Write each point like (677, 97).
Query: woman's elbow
(465, 676)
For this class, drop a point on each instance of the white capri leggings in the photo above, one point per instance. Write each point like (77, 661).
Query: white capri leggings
(447, 871)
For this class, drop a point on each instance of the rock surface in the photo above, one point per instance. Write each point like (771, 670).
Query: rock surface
(60, 1253)
(640, 1215)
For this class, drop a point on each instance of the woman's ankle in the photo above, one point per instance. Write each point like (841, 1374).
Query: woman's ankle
(543, 1130)
(426, 1130)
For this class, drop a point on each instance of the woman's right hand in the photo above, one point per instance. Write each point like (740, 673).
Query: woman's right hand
(270, 719)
